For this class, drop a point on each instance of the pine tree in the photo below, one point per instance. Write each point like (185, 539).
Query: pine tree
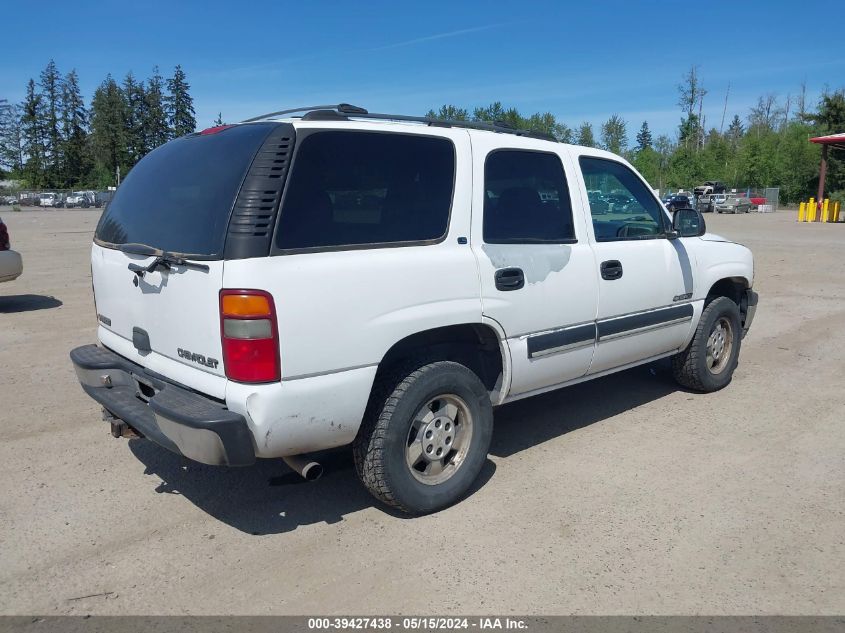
(51, 92)
(449, 113)
(74, 132)
(108, 133)
(564, 133)
(136, 106)
(11, 140)
(735, 131)
(32, 131)
(180, 104)
(584, 136)
(156, 130)
(644, 137)
(219, 120)
(492, 113)
(614, 134)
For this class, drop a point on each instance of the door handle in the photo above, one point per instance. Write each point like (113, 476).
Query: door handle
(611, 269)
(509, 279)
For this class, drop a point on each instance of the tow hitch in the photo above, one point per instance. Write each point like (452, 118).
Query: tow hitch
(119, 428)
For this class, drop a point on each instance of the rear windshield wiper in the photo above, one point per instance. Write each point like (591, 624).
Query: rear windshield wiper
(163, 259)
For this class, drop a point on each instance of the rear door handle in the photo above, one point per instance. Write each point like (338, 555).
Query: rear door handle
(611, 269)
(509, 279)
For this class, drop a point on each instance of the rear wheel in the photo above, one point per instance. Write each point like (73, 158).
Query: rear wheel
(425, 436)
(708, 362)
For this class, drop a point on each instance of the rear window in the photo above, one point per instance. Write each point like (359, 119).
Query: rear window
(353, 188)
(179, 197)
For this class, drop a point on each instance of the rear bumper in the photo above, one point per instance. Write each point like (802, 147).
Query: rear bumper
(176, 418)
(749, 305)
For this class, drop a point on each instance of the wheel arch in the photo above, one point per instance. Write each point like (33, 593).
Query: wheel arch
(479, 346)
(731, 287)
(734, 288)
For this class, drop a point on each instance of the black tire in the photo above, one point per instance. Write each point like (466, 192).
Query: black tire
(691, 368)
(380, 447)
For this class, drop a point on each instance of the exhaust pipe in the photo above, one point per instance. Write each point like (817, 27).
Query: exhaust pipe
(305, 466)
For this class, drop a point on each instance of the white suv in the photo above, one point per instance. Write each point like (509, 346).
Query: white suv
(292, 284)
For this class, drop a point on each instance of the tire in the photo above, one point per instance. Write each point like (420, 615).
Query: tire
(702, 368)
(404, 408)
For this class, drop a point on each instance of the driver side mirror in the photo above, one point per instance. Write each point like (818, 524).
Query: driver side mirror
(688, 223)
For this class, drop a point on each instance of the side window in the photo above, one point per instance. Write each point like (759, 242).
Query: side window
(354, 188)
(526, 199)
(621, 205)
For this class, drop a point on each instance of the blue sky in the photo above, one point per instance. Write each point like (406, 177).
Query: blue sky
(579, 60)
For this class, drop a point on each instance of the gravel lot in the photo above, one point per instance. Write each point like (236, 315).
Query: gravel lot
(625, 495)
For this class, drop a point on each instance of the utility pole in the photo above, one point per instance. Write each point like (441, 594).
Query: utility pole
(725, 109)
(118, 175)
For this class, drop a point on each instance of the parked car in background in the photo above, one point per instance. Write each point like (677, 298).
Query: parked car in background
(732, 204)
(11, 264)
(618, 201)
(597, 202)
(707, 203)
(9, 200)
(28, 199)
(709, 187)
(677, 201)
(78, 199)
(49, 199)
(102, 198)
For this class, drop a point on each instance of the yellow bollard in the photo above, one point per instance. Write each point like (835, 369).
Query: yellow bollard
(802, 212)
(836, 209)
(826, 210)
(811, 210)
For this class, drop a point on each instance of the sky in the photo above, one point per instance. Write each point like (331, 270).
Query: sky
(581, 61)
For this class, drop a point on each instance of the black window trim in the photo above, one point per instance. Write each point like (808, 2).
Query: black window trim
(524, 241)
(664, 221)
(301, 135)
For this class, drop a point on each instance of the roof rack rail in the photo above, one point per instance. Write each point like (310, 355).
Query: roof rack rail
(343, 108)
(343, 111)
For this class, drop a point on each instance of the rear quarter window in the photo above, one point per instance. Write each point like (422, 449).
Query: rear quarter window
(349, 189)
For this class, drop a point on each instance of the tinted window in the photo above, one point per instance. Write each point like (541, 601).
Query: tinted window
(350, 188)
(621, 205)
(526, 199)
(179, 197)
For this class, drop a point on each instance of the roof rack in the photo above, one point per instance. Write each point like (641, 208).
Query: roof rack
(342, 112)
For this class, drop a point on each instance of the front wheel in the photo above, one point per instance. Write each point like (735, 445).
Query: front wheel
(425, 436)
(709, 361)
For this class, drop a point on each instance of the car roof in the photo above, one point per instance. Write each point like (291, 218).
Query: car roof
(506, 138)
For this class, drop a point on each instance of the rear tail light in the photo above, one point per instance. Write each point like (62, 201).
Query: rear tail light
(4, 237)
(250, 336)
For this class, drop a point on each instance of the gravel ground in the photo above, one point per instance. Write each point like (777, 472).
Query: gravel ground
(625, 495)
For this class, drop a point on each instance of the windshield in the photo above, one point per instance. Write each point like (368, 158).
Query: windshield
(179, 197)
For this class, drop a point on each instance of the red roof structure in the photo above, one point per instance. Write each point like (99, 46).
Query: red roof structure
(836, 140)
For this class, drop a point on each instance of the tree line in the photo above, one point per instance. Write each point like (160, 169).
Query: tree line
(51, 139)
(769, 147)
